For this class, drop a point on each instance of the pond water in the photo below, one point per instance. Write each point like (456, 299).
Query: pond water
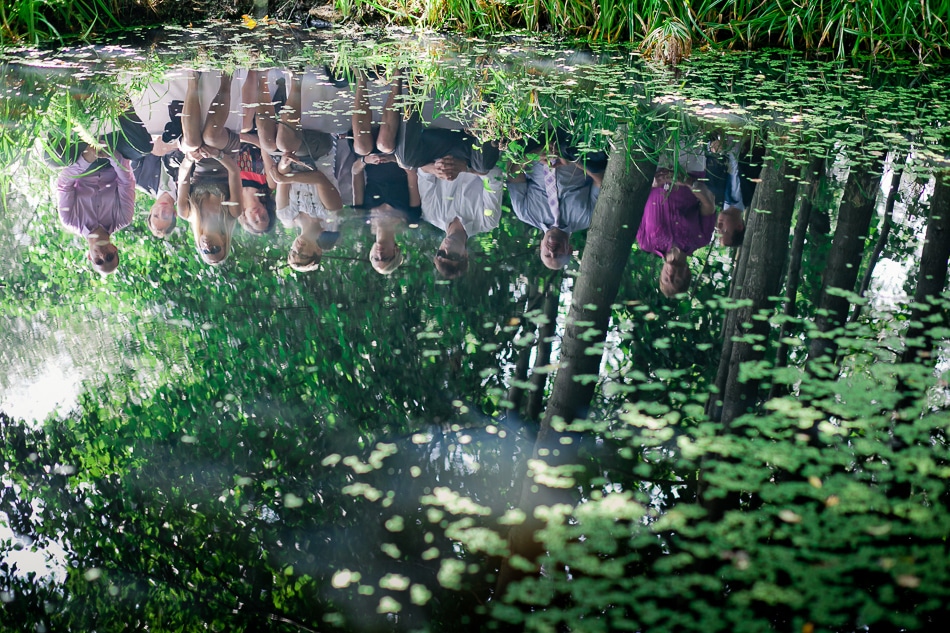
(420, 333)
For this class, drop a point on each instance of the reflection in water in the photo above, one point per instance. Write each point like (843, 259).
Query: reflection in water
(322, 432)
(557, 195)
(97, 188)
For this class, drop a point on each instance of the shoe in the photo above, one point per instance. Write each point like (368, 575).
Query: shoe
(313, 22)
(173, 127)
(338, 80)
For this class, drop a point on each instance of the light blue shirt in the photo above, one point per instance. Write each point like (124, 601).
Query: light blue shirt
(576, 195)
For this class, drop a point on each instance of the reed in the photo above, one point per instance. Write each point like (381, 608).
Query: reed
(888, 27)
(34, 21)
(880, 27)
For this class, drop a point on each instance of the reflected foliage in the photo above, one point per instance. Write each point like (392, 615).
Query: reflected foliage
(254, 448)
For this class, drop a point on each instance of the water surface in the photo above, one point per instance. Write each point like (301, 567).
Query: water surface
(243, 445)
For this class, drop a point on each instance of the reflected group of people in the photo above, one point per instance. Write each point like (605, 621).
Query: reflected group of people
(278, 157)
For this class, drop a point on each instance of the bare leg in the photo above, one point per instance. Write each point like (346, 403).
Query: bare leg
(215, 134)
(249, 96)
(389, 127)
(266, 122)
(362, 119)
(191, 116)
(288, 133)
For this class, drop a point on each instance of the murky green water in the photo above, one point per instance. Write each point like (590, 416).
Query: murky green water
(467, 403)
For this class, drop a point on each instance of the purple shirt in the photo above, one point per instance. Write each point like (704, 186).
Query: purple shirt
(673, 219)
(103, 198)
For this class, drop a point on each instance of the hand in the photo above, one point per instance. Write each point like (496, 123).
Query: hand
(274, 173)
(673, 255)
(201, 153)
(287, 162)
(90, 154)
(449, 168)
(160, 147)
(210, 152)
(378, 159)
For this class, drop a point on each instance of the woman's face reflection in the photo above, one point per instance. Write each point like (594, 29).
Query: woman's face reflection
(211, 245)
(382, 252)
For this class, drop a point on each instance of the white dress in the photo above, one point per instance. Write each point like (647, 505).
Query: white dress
(304, 199)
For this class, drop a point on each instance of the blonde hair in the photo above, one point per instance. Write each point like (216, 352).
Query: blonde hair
(161, 233)
(200, 219)
(387, 267)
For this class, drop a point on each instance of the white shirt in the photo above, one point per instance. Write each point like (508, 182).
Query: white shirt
(167, 184)
(474, 199)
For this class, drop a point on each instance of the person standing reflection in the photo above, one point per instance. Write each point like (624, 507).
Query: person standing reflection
(463, 207)
(157, 175)
(557, 195)
(209, 198)
(460, 189)
(382, 186)
(307, 194)
(679, 218)
(97, 187)
(724, 178)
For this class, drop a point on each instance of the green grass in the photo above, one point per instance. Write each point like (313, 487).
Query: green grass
(888, 27)
(882, 27)
(34, 21)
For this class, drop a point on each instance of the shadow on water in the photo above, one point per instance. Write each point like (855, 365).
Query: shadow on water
(426, 334)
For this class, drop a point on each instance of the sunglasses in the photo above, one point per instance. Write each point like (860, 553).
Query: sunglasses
(452, 257)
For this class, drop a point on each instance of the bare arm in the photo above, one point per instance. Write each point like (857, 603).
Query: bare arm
(234, 184)
(413, 178)
(269, 169)
(327, 192)
(282, 197)
(359, 183)
(184, 187)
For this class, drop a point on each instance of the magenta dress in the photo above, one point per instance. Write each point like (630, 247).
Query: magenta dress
(673, 219)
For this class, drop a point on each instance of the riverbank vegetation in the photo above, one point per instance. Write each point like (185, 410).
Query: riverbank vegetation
(881, 27)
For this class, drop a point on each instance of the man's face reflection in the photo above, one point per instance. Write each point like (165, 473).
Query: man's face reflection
(556, 249)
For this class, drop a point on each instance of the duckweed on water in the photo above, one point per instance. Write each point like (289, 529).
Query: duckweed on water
(248, 447)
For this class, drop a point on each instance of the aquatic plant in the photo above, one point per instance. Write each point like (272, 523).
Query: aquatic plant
(34, 21)
(669, 43)
(843, 26)
(268, 451)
